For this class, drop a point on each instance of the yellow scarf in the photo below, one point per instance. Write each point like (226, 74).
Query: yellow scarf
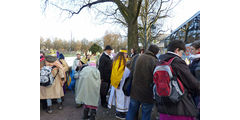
(117, 73)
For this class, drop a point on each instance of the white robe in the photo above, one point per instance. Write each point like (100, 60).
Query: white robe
(117, 97)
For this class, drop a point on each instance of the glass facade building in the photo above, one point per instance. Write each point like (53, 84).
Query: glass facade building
(188, 32)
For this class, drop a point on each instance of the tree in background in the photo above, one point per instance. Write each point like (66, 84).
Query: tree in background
(151, 17)
(77, 46)
(95, 48)
(42, 44)
(84, 45)
(71, 46)
(48, 44)
(115, 41)
(57, 44)
(128, 9)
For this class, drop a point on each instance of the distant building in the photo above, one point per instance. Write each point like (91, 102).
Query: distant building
(188, 32)
(160, 41)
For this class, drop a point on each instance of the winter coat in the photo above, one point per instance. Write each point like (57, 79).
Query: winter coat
(55, 90)
(186, 106)
(88, 86)
(105, 67)
(142, 83)
(195, 68)
(64, 64)
(65, 68)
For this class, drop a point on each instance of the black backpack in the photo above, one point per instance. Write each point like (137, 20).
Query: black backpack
(128, 81)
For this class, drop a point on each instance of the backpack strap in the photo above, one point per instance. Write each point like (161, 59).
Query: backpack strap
(60, 61)
(56, 74)
(170, 61)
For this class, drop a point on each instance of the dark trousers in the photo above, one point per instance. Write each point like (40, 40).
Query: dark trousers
(104, 91)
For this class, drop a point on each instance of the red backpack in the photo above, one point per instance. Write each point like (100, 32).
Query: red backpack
(167, 87)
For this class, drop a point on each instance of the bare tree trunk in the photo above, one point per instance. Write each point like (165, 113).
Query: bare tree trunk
(132, 36)
(133, 12)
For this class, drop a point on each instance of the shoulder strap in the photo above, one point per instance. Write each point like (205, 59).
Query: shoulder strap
(170, 61)
(57, 72)
(60, 61)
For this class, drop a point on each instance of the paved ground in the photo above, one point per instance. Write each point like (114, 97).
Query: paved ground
(70, 112)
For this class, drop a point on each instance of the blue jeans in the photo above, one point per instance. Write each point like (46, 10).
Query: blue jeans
(133, 109)
(49, 101)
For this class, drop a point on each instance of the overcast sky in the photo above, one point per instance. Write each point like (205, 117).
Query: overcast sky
(84, 24)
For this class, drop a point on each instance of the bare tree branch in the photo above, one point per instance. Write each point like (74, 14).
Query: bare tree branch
(138, 9)
(151, 7)
(157, 16)
(45, 5)
(122, 8)
(120, 21)
(80, 9)
(114, 16)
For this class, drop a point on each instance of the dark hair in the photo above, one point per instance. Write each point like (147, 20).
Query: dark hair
(196, 44)
(173, 45)
(142, 50)
(121, 55)
(154, 49)
(128, 64)
(134, 51)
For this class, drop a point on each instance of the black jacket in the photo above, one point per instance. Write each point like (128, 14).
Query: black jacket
(141, 89)
(105, 67)
(195, 68)
(191, 85)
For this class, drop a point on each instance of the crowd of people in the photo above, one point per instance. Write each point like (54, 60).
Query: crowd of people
(103, 80)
